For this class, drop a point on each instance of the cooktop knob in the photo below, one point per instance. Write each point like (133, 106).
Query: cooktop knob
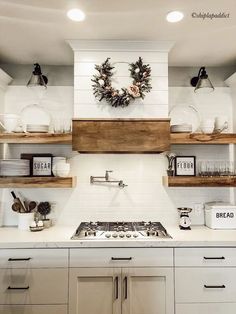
(135, 235)
(107, 235)
(128, 235)
(121, 235)
(115, 235)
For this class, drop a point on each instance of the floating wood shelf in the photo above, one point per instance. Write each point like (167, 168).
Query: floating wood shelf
(36, 138)
(182, 181)
(37, 182)
(201, 139)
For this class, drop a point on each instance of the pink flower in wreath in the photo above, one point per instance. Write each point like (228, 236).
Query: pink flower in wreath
(133, 90)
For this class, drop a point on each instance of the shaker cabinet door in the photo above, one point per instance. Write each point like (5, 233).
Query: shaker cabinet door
(95, 291)
(147, 290)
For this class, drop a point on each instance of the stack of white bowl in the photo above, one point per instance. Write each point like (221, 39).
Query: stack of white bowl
(207, 125)
(60, 167)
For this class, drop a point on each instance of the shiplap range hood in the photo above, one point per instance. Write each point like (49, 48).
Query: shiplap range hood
(143, 126)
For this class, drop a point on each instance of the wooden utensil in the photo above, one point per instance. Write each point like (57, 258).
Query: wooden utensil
(16, 207)
(31, 206)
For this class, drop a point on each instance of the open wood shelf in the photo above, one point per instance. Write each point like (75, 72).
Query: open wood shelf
(35, 138)
(202, 139)
(183, 181)
(37, 182)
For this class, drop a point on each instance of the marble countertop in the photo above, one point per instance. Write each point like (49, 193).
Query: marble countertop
(59, 236)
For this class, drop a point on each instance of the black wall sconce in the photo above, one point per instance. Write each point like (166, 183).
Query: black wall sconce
(202, 82)
(37, 78)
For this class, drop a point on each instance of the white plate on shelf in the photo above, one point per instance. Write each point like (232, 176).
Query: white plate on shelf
(181, 128)
(37, 128)
(36, 115)
(14, 167)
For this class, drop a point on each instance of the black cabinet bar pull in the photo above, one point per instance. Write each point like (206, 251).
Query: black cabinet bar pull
(117, 287)
(18, 288)
(221, 257)
(19, 259)
(121, 258)
(126, 287)
(214, 287)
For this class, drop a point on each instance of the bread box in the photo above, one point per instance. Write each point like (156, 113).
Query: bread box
(220, 215)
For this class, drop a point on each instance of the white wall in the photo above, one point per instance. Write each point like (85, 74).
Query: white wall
(145, 197)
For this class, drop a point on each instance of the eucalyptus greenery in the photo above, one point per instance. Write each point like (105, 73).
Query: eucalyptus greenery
(102, 85)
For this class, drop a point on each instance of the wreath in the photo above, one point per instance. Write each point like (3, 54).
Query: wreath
(102, 87)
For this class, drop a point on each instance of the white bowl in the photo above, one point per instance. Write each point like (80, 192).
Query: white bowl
(62, 173)
(10, 121)
(62, 166)
(58, 159)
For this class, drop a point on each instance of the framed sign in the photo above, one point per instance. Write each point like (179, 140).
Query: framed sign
(40, 164)
(185, 165)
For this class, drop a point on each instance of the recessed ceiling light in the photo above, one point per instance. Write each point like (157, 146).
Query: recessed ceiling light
(76, 15)
(174, 16)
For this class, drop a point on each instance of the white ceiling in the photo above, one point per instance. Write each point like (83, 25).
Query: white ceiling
(36, 30)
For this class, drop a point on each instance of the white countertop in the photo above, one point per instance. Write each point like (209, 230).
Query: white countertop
(59, 236)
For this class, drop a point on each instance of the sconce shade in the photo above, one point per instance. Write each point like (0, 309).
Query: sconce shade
(202, 82)
(37, 78)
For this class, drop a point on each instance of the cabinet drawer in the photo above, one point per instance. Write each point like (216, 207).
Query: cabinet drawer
(207, 308)
(33, 258)
(33, 309)
(199, 285)
(33, 286)
(124, 257)
(205, 257)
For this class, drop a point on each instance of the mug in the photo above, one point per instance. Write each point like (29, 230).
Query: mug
(221, 123)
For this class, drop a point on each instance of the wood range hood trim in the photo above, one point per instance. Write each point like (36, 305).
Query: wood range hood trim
(127, 136)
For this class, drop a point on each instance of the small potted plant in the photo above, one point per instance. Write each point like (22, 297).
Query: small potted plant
(44, 209)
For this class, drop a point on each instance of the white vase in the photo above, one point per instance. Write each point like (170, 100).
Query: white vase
(24, 220)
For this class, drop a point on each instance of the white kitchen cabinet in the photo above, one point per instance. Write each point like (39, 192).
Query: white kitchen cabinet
(33, 281)
(121, 257)
(205, 257)
(121, 291)
(33, 258)
(199, 285)
(147, 290)
(33, 286)
(95, 291)
(205, 280)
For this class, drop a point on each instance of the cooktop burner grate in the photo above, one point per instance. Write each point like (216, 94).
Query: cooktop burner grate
(120, 230)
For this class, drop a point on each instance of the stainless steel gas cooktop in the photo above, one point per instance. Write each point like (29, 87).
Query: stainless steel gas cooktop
(120, 230)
